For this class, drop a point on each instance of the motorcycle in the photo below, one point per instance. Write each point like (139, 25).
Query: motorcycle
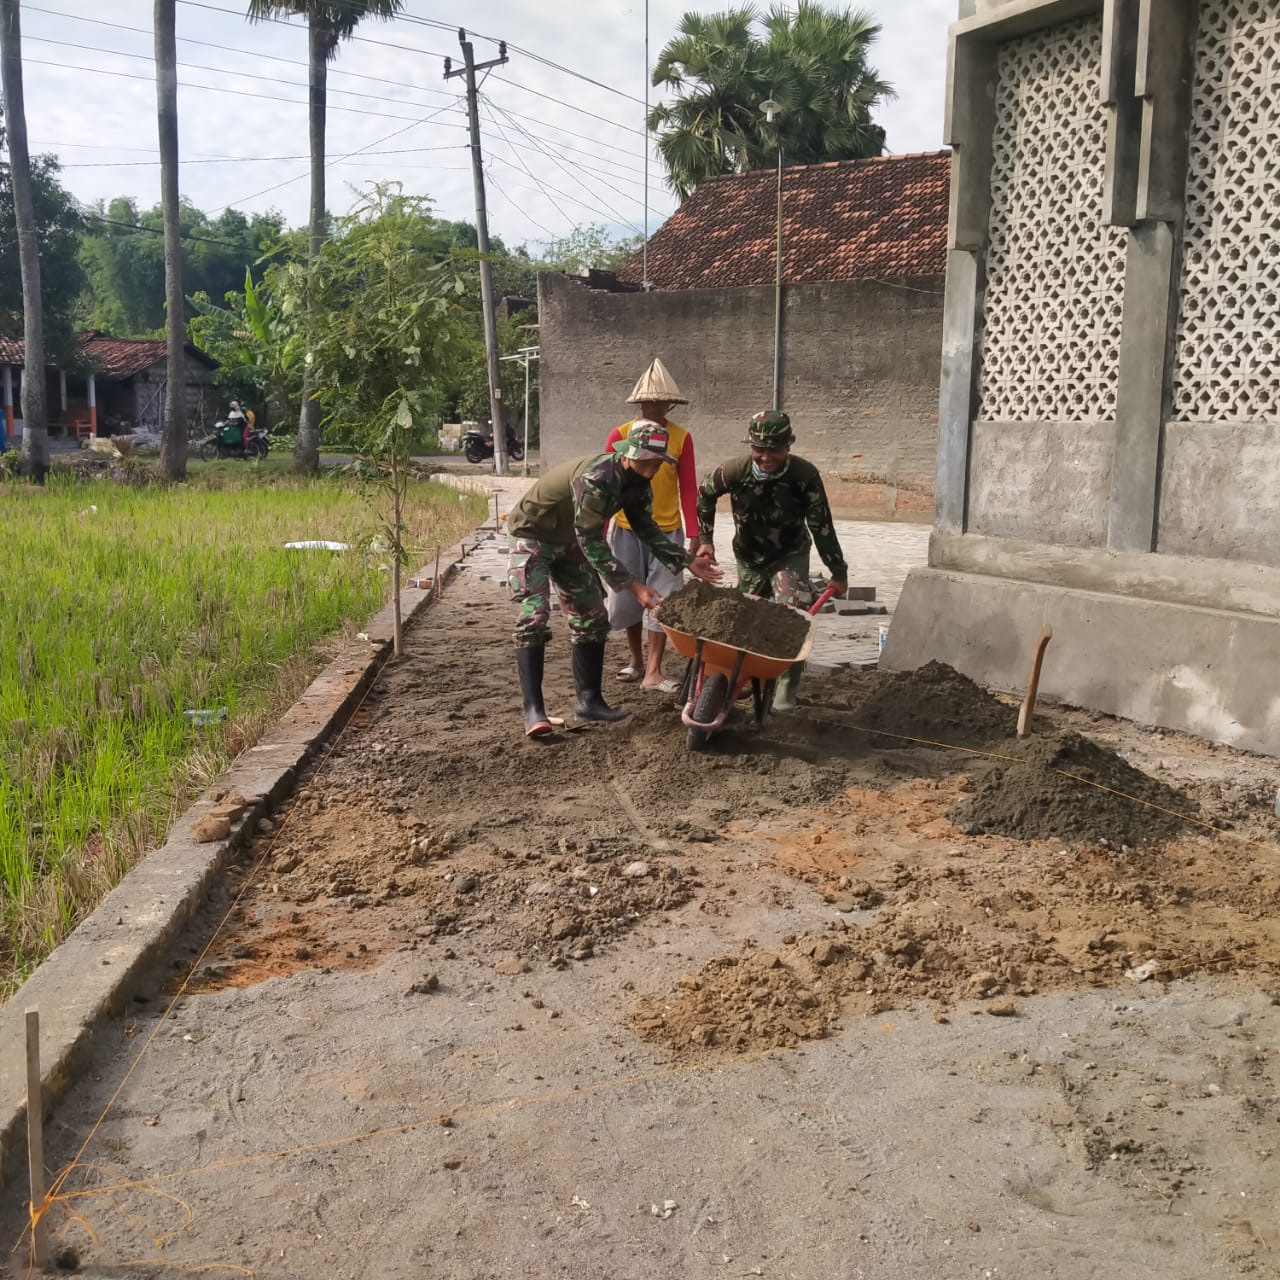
(477, 446)
(228, 441)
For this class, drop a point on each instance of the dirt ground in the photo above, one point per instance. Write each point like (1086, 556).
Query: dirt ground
(794, 1006)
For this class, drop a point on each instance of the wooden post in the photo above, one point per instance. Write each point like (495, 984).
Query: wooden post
(35, 1138)
(435, 577)
(1033, 684)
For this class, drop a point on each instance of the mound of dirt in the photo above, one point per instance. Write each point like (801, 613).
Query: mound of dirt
(761, 1001)
(934, 702)
(1047, 795)
(720, 613)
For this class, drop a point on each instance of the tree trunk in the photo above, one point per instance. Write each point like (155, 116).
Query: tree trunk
(173, 446)
(34, 458)
(307, 456)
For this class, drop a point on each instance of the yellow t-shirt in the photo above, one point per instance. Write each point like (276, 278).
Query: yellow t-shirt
(666, 494)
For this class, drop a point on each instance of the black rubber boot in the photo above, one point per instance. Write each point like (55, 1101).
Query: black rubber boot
(529, 662)
(588, 672)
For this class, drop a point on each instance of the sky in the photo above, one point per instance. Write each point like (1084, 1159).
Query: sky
(560, 150)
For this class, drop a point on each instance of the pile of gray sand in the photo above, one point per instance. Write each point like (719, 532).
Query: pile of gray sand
(1035, 799)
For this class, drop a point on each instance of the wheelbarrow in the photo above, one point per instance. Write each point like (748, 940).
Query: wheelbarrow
(718, 674)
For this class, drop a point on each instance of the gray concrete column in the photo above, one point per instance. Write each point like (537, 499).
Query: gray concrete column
(1163, 69)
(970, 123)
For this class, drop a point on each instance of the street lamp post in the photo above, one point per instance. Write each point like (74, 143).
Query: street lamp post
(771, 109)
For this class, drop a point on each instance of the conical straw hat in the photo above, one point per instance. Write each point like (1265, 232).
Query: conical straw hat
(656, 384)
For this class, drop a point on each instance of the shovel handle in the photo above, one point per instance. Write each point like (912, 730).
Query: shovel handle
(822, 599)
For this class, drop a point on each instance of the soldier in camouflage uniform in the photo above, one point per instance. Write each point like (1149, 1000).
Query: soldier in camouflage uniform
(557, 539)
(778, 501)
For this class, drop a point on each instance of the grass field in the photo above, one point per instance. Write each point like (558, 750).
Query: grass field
(122, 608)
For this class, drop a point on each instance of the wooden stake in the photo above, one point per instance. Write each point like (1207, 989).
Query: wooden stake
(35, 1137)
(435, 577)
(1033, 685)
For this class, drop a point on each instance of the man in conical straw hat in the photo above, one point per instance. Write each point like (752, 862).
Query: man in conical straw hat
(675, 494)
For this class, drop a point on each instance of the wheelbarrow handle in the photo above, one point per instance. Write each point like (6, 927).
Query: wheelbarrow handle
(822, 599)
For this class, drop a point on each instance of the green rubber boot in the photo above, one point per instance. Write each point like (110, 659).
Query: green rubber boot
(784, 694)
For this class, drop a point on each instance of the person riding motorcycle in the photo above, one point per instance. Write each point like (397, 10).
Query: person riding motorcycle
(237, 416)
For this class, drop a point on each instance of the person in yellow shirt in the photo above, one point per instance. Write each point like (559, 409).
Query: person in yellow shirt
(675, 497)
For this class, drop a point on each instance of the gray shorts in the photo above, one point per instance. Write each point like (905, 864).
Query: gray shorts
(644, 566)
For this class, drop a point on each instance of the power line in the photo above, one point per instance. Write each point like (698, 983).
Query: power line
(155, 231)
(565, 195)
(395, 133)
(213, 44)
(284, 22)
(135, 164)
(572, 176)
(242, 93)
(243, 75)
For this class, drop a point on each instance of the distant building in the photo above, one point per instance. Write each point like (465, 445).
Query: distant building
(120, 386)
(864, 256)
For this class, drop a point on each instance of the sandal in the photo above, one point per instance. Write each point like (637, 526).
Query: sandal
(667, 686)
(629, 675)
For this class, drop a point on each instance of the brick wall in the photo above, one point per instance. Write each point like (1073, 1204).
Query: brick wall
(859, 375)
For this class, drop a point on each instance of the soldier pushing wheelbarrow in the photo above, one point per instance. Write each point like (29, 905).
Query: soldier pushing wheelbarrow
(778, 501)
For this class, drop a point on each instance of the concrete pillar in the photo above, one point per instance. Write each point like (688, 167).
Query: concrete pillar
(970, 122)
(8, 403)
(1164, 41)
(93, 407)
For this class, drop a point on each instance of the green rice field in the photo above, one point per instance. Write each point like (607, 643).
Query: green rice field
(123, 608)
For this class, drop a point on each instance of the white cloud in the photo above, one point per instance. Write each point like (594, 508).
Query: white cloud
(554, 164)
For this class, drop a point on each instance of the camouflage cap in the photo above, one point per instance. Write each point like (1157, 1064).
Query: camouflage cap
(645, 440)
(770, 429)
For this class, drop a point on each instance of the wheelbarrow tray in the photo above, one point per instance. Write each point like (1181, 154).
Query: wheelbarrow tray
(718, 656)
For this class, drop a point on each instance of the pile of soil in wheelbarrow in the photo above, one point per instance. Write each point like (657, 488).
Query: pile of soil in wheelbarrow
(935, 702)
(1036, 799)
(723, 614)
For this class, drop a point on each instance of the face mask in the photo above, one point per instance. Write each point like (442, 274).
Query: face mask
(757, 474)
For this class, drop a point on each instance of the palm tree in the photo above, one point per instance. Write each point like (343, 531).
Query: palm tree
(712, 64)
(34, 460)
(329, 23)
(820, 55)
(173, 446)
(813, 63)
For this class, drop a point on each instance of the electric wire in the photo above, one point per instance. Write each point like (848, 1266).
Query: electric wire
(212, 88)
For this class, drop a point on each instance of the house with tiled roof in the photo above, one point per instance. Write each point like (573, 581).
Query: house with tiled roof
(884, 218)
(117, 387)
(857, 343)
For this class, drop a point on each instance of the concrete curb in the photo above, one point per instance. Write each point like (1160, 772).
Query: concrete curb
(94, 974)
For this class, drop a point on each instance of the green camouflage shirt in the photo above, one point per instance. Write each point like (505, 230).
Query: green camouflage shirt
(575, 500)
(772, 518)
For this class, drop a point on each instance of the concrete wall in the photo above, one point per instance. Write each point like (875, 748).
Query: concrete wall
(1150, 542)
(859, 375)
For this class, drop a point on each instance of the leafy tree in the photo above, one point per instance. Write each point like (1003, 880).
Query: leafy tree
(383, 322)
(124, 265)
(329, 23)
(591, 246)
(811, 61)
(258, 350)
(62, 279)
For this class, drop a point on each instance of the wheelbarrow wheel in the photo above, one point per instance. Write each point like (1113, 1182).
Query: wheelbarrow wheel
(714, 691)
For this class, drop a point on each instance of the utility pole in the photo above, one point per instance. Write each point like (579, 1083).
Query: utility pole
(469, 70)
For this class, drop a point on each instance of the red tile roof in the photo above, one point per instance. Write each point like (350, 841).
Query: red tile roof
(847, 220)
(116, 359)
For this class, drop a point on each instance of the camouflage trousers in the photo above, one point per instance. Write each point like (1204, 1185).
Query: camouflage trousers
(533, 569)
(781, 580)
